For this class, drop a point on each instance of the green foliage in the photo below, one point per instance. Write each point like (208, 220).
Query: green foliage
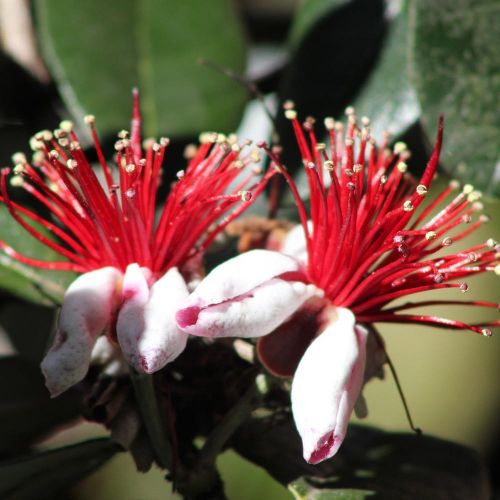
(43, 475)
(27, 412)
(98, 51)
(29, 283)
(456, 71)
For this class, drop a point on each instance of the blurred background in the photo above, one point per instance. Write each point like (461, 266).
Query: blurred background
(401, 63)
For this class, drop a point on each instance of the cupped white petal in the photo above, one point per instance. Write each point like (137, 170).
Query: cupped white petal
(295, 242)
(327, 384)
(254, 314)
(88, 307)
(146, 328)
(240, 275)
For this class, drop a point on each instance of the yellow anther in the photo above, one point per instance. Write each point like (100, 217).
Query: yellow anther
(430, 235)
(89, 119)
(349, 111)
(164, 141)
(19, 158)
(66, 126)
(71, 164)
(190, 151)
(357, 168)
(402, 167)
(329, 123)
(123, 134)
(245, 195)
(468, 188)
(474, 196)
(290, 114)
(239, 164)
(16, 181)
(328, 165)
(399, 147)
(408, 206)
(129, 168)
(255, 156)
(53, 154)
(321, 146)
(421, 190)
(19, 168)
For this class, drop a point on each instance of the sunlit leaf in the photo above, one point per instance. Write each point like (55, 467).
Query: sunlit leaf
(456, 71)
(388, 97)
(97, 51)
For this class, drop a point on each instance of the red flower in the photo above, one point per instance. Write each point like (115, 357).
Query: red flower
(136, 262)
(364, 241)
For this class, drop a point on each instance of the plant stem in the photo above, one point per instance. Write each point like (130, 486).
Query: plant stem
(155, 425)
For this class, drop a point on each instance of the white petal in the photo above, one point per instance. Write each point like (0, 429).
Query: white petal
(89, 304)
(254, 314)
(295, 242)
(146, 328)
(240, 275)
(327, 384)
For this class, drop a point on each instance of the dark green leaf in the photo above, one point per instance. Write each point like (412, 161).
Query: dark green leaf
(309, 13)
(45, 474)
(27, 412)
(456, 71)
(28, 326)
(98, 51)
(392, 466)
(388, 97)
(36, 285)
(331, 58)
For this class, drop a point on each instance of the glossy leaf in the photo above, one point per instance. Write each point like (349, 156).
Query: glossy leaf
(27, 412)
(43, 475)
(388, 97)
(97, 51)
(35, 285)
(455, 70)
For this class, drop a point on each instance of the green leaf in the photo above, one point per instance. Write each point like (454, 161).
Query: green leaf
(456, 71)
(43, 475)
(309, 13)
(303, 490)
(388, 97)
(36, 285)
(98, 51)
(27, 412)
(390, 465)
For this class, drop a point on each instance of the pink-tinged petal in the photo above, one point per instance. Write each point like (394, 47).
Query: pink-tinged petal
(88, 308)
(327, 384)
(146, 328)
(240, 275)
(247, 296)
